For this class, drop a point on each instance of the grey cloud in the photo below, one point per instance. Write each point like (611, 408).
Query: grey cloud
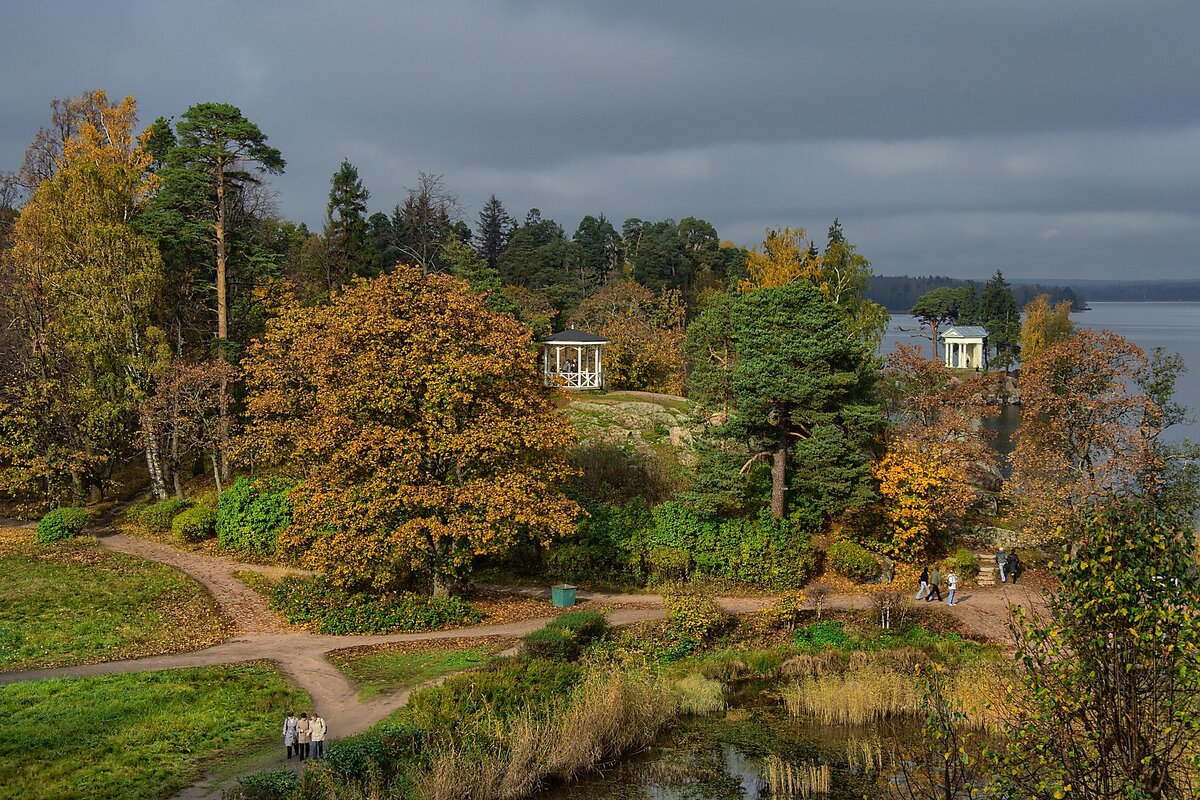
(1042, 138)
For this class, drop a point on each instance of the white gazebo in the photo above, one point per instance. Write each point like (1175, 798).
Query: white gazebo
(574, 359)
(965, 347)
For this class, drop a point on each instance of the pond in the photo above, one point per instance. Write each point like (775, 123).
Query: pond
(756, 750)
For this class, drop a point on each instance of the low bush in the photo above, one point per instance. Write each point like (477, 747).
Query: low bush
(195, 524)
(824, 635)
(315, 600)
(552, 644)
(61, 524)
(565, 637)
(588, 626)
(386, 746)
(694, 617)
(963, 562)
(159, 516)
(251, 514)
(268, 785)
(853, 561)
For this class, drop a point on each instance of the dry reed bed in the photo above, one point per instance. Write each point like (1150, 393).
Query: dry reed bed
(609, 715)
(877, 692)
(786, 780)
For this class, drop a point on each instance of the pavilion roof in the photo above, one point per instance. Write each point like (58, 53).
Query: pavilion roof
(575, 336)
(965, 332)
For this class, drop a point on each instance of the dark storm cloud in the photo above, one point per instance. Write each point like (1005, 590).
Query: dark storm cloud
(1046, 139)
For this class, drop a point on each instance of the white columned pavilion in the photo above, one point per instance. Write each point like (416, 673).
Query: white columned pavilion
(574, 359)
(965, 347)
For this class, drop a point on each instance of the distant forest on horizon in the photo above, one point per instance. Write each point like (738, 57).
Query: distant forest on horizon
(898, 293)
(901, 292)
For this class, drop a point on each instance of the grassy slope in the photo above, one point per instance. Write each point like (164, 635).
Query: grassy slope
(137, 736)
(74, 602)
(391, 671)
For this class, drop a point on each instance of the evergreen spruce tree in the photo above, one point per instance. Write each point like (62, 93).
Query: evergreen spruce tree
(495, 229)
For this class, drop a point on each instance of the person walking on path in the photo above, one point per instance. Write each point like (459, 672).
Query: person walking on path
(319, 729)
(1002, 563)
(289, 734)
(935, 581)
(924, 581)
(952, 582)
(304, 735)
(1012, 565)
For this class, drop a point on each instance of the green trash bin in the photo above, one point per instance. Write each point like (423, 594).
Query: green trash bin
(562, 595)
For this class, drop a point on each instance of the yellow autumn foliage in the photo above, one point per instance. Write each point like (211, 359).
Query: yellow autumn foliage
(922, 492)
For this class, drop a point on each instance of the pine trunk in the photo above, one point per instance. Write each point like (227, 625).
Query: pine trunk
(779, 480)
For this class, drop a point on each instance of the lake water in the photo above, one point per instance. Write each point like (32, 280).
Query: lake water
(1172, 326)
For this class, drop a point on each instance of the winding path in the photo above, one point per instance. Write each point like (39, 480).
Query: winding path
(260, 634)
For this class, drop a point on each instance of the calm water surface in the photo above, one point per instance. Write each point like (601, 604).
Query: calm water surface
(1172, 326)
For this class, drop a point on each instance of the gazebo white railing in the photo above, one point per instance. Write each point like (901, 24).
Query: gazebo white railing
(574, 359)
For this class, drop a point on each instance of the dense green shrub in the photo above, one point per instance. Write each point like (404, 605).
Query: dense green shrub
(195, 524)
(570, 562)
(552, 644)
(61, 524)
(386, 746)
(315, 600)
(668, 563)
(159, 516)
(827, 634)
(496, 691)
(268, 785)
(758, 550)
(251, 514)
(565, 637)
(853, 561)
(963, 562)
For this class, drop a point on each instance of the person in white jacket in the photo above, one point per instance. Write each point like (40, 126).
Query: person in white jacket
(289, 734)
(319, 729)
(952, 582)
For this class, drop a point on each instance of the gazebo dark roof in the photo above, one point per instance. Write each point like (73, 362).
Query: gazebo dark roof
(575, 336)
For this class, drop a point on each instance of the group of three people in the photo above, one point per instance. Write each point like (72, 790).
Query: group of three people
(931, 584)
(304, 736)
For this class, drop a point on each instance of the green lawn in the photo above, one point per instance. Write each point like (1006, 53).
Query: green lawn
(390, 671)
(75, 602)
(138, 736)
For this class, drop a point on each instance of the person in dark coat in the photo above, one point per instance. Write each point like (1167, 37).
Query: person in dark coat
(1012, 565)
(924, 583)
(935, 585)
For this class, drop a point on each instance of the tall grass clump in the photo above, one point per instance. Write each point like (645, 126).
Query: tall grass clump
(608, 715)
(856, 698)
(786, 780)
(697, 694)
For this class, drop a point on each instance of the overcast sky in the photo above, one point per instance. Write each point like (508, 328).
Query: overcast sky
(1052, 139)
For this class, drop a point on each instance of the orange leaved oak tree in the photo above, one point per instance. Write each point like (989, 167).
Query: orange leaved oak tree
(416, 422)
(1094, 409)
